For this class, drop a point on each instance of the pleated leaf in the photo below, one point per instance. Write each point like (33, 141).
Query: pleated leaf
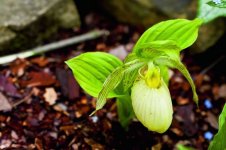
(182, 31)
(155, 49)
(92, 69)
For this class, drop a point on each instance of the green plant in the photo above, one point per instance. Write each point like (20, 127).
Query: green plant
(140, 82)
(218, 141)
(207, 12)
(217, 3)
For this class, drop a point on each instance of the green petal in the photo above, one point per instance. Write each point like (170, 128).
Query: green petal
(176, 63)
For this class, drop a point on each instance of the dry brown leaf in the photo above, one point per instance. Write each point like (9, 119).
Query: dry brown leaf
(212, 120)
(38, 79)
(40, 61)
(4, 103)
(182, 100)
(222, 91)
(8, 87)
(18, 66)
(38, 144)
(50, 96)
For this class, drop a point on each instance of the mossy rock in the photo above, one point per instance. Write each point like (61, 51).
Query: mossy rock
(148, 12)
(27, 23)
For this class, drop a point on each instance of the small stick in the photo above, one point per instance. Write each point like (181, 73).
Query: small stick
(22, 100)
(205, 70)
(53, 46)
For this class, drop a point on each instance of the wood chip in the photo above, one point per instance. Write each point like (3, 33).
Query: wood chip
(38, 144)
(50, 96)
(222, 91)
(212, 120)
(4, 103)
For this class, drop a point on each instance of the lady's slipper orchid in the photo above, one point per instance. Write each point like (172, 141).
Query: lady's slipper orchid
(151, 101)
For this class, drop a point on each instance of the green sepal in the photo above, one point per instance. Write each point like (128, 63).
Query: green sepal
(109, 85)
(112, 82)
(219, 140)
(91, 70)
(182, 31)
(174, 62)
(221, 5)
(130, 74)
(164, 70)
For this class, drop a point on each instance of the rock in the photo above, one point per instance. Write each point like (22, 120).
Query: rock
(148, 12)
(208, 35)
(142, 12)
(23, 20)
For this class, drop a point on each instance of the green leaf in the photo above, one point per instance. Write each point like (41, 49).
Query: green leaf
(91, 70)
(220, 5)
(209, 13)
(112, 82)
(155, 49)
(219, 140)
(182, 31)
(125, 110)
(174, 62)
(222, 118)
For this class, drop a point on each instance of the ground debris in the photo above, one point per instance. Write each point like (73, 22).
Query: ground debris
(4, 103)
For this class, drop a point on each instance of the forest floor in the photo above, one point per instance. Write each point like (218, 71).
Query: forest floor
(43, 107)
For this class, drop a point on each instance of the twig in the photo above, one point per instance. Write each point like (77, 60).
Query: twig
(22, 100)
(205, 70)
(53, 46)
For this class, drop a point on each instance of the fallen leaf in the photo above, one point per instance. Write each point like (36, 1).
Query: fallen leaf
(212, 120)
(50, 96)
(18, 66)
(215, 91)
(93, 144)
(8, 87)
(69, 86)
(38, 79)
(101, 46)
(40, 61)
(119, 52)
(222, 91)
(5, 144)
(186, 115)
(157, 147)
(199, 80)
(4, 103)
(38, 144)
(182, 101)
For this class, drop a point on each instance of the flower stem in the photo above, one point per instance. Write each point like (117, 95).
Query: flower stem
(125, 110)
